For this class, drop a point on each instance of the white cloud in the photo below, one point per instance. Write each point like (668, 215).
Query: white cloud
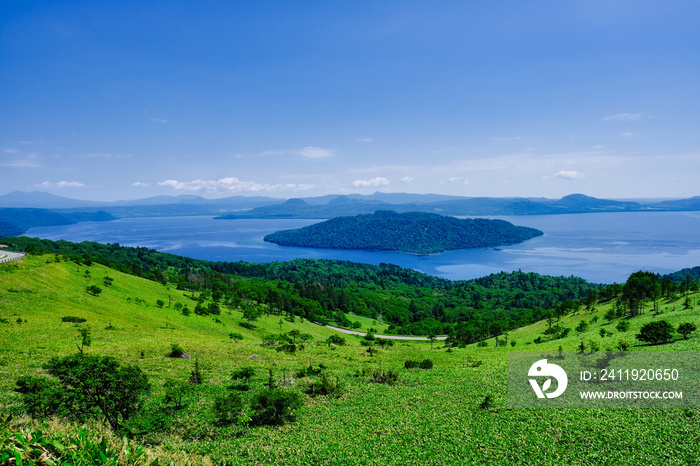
(374, 182)
(365, 140)
(140, 184)
(21, 163)
(628, 134)
(61, 185)
(625, 117)
(11, 150)
(160, 120)
(316, 152)
(570, 175)
(407, 179)
(231, 185)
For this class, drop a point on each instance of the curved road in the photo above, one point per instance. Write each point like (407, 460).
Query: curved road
(388, 337)
(6, 256)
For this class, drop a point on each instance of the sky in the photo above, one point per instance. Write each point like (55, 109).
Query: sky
(116, 100)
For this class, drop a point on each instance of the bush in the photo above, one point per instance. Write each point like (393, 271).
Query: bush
(73, 319)
(325, 387)
(623, 326)
(231, 408)
(655, 333)
(275, 406)
(175, 393)
(244, 374)
(686, 329)
(426, 364)
(89, 385)
(176, 351)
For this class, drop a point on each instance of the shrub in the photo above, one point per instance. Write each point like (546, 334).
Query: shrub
(244, 374)
(686, 329)
(73, 319)
(175, 393)
(89, 385)
(176, 351)
(623, 326)
(325, 387)
(275, 406)
(231, 408)
(426, 364)
(482, 344)
(93, 290)
(409, 364)
(235, 336)
(656, 332)
(388, 377)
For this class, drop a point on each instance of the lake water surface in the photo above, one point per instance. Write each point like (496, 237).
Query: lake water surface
(603, 247)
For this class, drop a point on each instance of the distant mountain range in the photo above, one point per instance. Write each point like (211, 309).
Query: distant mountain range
(322, 207)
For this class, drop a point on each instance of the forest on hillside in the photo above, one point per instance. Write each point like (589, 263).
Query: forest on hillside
(330, 291)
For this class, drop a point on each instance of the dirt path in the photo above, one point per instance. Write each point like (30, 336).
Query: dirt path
(388, 337)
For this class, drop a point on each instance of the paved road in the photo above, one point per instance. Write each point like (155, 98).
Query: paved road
(6, 256)
(388, 337)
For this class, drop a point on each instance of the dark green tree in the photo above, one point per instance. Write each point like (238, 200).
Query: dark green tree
(89, 386)
(686, 329)
(656, 333)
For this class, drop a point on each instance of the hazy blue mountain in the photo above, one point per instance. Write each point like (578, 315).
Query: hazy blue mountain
(43, 200)
(15, 221)
(413, 232)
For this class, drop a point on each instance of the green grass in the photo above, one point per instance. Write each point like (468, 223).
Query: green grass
(428, 417)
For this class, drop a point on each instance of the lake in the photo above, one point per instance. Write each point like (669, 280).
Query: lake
(602, 247)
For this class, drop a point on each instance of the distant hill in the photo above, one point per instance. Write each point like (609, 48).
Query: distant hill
(16, 221)
(412, 232)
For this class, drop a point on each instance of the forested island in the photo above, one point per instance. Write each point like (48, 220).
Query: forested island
(411, 232)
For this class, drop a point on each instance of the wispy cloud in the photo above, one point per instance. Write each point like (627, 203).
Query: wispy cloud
(570, 175)
(60, 185)
(374, 182)
(231, 185)
(140, 184)
(160, 120)
(628, 134)
(625, 117)
(311, 152)
(21, 163)
(365, 140)
(407, 179)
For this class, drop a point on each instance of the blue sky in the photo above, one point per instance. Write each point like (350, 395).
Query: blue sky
(119, 100)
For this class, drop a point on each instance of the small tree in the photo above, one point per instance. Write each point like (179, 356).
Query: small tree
(656, 333)
(275, 406)
(623, 325)
(93, 290)
(432, 337)
(582, 326)
(686, 329)
(84, 337)
(87, 386)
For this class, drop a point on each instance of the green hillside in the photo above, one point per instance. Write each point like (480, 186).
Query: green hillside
(454, 413)
(413, 232)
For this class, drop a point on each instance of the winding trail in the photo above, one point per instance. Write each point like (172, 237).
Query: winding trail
(388, 337)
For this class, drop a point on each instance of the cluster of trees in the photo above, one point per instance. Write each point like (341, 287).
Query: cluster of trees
(327, 291)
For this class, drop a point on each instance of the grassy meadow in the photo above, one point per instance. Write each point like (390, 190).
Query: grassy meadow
(455, 413)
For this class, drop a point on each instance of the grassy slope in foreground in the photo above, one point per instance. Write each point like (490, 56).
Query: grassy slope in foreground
(428, 417)
(412, 232)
